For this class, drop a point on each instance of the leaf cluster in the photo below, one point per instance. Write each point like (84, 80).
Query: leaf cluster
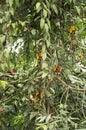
(43, 64)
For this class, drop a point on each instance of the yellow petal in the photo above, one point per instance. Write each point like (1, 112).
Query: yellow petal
(72, 28)
(80, 55)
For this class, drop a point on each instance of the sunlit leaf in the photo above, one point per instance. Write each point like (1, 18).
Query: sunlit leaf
(3, 83)
(74, 79)
(44, 65)
(55, 8)
(42, 22)
(44, 74)
(48, 118)
(78, 9)
(44, 127)
(44, 13)
(38, 4)
(32, 115)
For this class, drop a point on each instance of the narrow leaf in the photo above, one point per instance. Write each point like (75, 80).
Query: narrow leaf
(55, 8)
(42, 22)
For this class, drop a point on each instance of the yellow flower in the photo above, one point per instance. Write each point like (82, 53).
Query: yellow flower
(57, 69)
(80, 55)
(54, 68)
(37, 92)
(72, 29)
(39, 56)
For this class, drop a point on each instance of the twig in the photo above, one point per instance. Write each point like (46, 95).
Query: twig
(70, 87)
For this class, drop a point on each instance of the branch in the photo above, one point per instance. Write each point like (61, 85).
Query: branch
(70, 87)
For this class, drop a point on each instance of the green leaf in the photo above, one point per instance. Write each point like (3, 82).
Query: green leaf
(42, 119)
(44, 56)
(44, 13)
(70, 1)
(49, 24)
(74, 79)
(10, 2)
(44, 74)
(48, 94)
(44, 127)
(42, 22)
(12, 11)
(17, 2)
(48, 43)
(52, 90)
(81, 129)
(1, 20)
(47, 3)
(33, 31)
(46, 8)
(46, 27)
(78, 9)
(32, 115)
(2, 38)
(48, 118)
(44, 65)
(38, 5)
(3, 83)
(55, 8)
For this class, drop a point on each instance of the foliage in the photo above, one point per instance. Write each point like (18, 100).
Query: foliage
(43, 84)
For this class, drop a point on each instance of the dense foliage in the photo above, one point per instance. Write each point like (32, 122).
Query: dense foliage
(42, 64)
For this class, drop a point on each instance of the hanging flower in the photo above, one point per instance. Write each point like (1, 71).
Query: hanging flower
(57, 69)
(54, 68)
(39, 56)
(72, 29)
(80, 55)
(37, 92)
